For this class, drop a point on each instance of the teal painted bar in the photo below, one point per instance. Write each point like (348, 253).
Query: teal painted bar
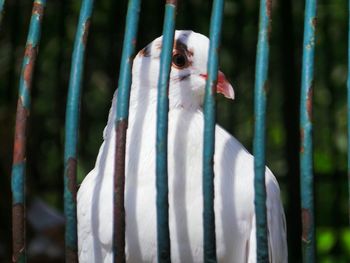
(33, 39)
(209, 133)
(2, 4)
(261, 74)
(124, 82)
(18, 176)
(163, 236)
(121, 124)
(17, 183)
(306, 167)
(348, 106)
(71, 130)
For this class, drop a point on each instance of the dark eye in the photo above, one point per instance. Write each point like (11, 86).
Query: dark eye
(179, 60)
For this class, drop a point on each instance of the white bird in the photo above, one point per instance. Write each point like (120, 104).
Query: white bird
(233, 167)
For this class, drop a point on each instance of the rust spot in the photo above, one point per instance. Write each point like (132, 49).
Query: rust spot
(38, 9)
(171, 2)
(314, 22)
(20, 133)
(301, 140)
(72, 176)
(119, 189)
(18, 231)
(268, 8)
(31, 53)
(309, 102)
(306, 224)
(86, 31)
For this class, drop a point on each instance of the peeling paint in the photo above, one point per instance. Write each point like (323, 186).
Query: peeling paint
(309, 102)
(86, 31)
(31, 53)
(306, 158)
(268, 8)
(121, 117)
(20, 133)
(72, 177)
(18, 230)
(38, 9)
(306, 224)
(71, 129)
(171, 2)
(19, 152)
(119, 191)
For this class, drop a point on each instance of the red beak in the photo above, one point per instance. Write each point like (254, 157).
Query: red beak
(223, 86)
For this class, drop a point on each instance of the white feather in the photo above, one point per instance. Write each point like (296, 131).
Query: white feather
(234, 175)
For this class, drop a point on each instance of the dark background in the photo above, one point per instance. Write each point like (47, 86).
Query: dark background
(239, 38)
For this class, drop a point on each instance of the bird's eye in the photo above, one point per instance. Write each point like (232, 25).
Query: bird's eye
(179, 60)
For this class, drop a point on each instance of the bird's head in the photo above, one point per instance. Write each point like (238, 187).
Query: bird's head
(188, 70)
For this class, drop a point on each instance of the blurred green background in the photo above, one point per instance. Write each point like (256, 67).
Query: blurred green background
(239, 38)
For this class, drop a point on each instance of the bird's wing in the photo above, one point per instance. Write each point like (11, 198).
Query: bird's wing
(244, 174)
(92, 235)
(94, 204)
(85, 249)
(276, 225)
(277, 236)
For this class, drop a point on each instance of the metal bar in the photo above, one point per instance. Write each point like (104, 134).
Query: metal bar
(2, 4)
(121, 125)
(348, 106)
(71, 132)
(163, 235)
(306, 169)
(20, 140)
(261, 72)
(209, 133)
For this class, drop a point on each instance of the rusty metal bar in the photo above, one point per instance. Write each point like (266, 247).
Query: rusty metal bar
(20, 140)
(209, 133)
(71, 132)
(163, 235)
(121, 125)
(261, 72)
(306, 168)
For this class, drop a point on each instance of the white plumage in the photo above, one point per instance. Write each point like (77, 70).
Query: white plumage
(233, 166)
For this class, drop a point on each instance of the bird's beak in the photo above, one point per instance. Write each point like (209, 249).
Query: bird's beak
(223, 86)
